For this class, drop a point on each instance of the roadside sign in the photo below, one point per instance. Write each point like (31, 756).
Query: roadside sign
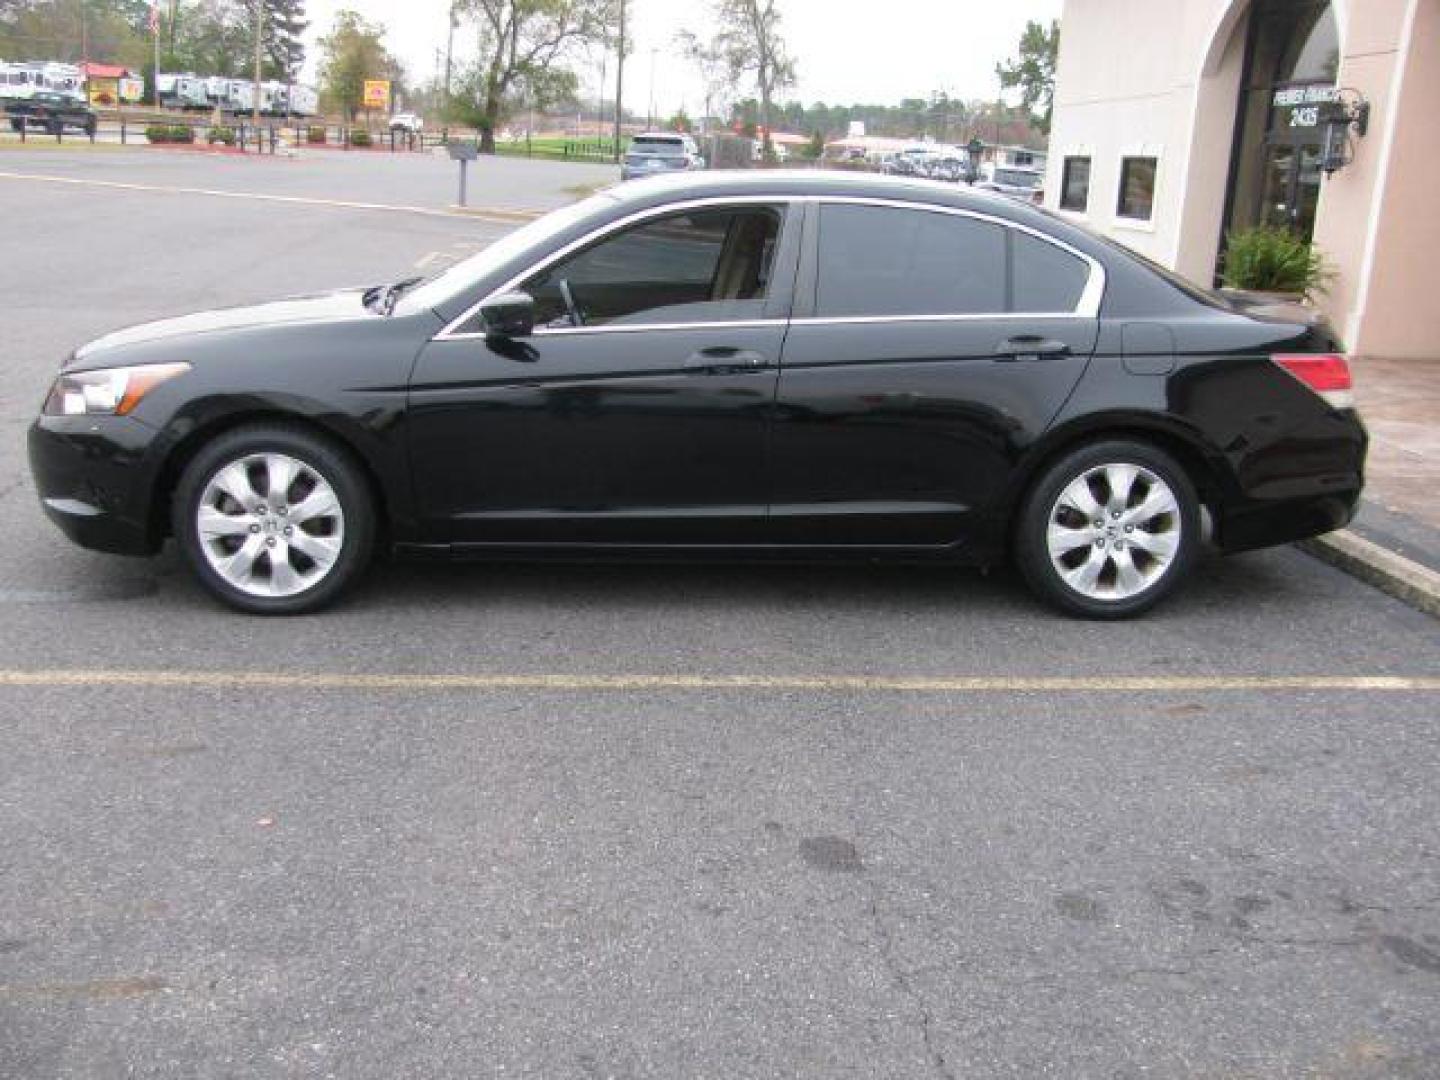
(462, 150)
(377, 94)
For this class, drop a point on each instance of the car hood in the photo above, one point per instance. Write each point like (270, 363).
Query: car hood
(343, 305)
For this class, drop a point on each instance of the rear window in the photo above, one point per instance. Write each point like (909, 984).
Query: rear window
(657, 146)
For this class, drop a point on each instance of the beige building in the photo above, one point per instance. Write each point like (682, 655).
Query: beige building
(1177, 121)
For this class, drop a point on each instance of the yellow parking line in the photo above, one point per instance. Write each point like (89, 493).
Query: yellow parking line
(854, 683)
(490, 214)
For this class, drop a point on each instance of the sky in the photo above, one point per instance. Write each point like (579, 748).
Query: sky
(846, 51)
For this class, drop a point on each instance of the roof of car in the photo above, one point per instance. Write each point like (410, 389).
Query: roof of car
(801, 182)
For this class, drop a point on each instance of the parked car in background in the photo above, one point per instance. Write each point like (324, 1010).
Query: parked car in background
(408, 122)
(785, 365)
(1019, 181)
(660, 152)
(50, 111)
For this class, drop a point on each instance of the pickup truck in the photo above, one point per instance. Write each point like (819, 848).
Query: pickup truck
(51, 111)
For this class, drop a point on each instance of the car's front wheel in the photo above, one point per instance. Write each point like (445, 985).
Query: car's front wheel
(274, 519)
(1109, 530)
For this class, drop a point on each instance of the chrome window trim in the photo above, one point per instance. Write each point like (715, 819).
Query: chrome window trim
(1087, 307)
(633, 328)
(841, 320)
(451, 333)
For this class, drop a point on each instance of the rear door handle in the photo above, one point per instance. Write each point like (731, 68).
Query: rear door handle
(725, 358)
(1031, 347)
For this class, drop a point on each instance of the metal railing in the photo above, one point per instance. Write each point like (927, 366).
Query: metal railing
(238, 135)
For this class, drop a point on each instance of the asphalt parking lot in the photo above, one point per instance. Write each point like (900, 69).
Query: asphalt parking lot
(718, 821)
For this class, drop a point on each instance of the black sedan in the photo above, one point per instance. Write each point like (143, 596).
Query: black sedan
(761, 365)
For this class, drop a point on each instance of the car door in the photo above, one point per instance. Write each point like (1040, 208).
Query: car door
(928, 347)
(637, 410)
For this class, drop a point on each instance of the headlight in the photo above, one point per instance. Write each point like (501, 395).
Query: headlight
(108, 391)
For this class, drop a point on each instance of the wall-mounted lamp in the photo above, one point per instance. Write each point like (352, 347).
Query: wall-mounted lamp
(1348, 110)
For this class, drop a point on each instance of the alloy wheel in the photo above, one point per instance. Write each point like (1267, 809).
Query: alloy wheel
(1114, 531)
(270, 525)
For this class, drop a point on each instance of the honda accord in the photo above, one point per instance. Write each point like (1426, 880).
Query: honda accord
(769, 365)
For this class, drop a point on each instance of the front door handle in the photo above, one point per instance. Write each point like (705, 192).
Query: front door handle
(1030, 347)
(725, 358)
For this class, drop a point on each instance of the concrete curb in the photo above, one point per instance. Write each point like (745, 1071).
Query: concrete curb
(519, 216)
(1402, 578)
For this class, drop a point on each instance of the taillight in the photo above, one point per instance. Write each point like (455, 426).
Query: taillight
(1328, 374)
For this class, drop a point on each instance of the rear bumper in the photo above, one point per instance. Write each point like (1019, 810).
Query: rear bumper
(1301, 487)
(94, 476)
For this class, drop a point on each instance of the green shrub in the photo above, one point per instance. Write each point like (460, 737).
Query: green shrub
(223, 135)
(360, 137)
(182, 133)
(1268, 259)
(315, 134)
(157, 133)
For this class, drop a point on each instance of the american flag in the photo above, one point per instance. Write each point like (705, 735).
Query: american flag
(155, 17)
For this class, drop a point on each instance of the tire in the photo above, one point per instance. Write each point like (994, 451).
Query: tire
(233, 554)
(1095, 564)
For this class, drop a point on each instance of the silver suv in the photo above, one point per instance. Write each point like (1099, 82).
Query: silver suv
(656, 152)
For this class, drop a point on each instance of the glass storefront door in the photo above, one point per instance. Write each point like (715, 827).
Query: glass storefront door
(1291, 188)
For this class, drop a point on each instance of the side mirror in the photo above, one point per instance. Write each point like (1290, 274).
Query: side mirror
(509, 315)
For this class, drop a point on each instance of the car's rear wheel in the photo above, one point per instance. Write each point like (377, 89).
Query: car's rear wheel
(1109, 530)
(274, 519)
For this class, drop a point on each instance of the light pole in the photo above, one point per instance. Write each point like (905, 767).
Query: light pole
(653, 52)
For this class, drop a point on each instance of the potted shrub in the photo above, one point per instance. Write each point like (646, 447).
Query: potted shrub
(315, 134)
(360, 137)
(225, 136)
(157, 133)
(182, 133)
(1273, 263)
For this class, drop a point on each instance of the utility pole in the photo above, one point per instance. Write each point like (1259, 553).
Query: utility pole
(620, 82)
(259, 42)
(449, 54)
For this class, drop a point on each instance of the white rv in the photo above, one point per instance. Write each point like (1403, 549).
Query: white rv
(183, 91)
(304, 101)
(22, 80)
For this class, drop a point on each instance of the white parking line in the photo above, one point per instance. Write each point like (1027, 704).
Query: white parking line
(494, 215)
(641, 683)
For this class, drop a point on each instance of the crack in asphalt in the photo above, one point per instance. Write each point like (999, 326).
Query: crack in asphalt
(903, 984)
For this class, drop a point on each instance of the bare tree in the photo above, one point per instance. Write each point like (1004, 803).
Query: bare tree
(749, 38)
(524, 44)
(716, 75)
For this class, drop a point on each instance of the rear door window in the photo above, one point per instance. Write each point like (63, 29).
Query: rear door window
(881, 261)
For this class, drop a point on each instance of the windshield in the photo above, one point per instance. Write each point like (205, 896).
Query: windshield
(657, 146)
(446, 284)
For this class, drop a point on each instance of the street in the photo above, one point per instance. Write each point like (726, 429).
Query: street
(654, 821)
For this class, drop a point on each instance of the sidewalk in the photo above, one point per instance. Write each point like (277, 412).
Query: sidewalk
(1394, 542)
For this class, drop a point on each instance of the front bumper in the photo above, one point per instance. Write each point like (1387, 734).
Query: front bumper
(95, 476)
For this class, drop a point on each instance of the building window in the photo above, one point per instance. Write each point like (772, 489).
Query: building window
(1137, 187)
(1075, 184)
